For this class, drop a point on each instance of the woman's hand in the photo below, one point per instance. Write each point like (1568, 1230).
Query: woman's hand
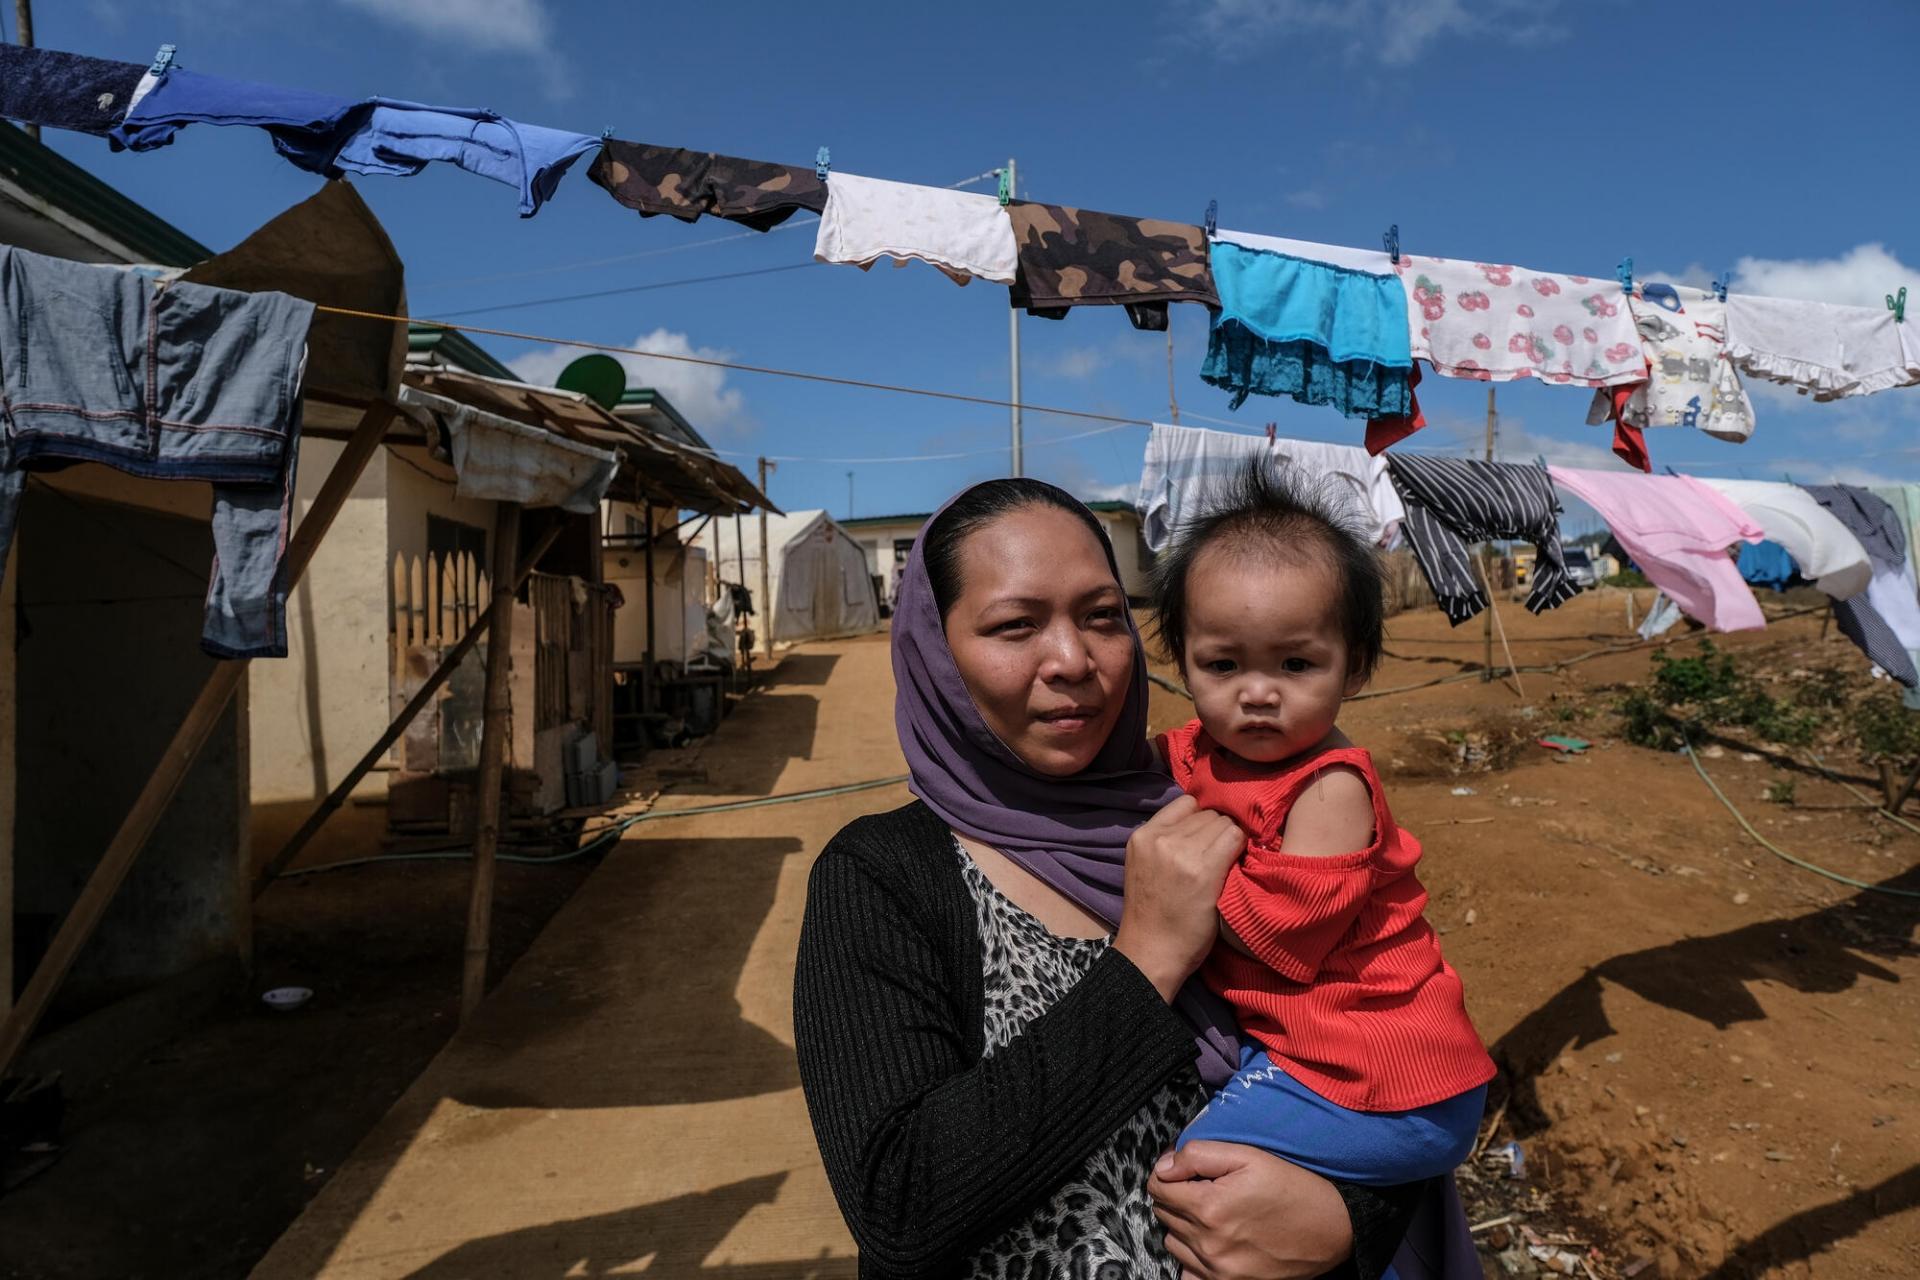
(1237, 1213)
(1176, 862)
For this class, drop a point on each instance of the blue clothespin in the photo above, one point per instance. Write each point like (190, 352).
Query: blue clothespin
(1720, 284)
(162, 60)
(1392, 242)
(1213, 217)
(1670, 471)
(1626, 274)
(1006, 186)
(1540, 461)
(822, 161)
(606, 134)
(1897, 303)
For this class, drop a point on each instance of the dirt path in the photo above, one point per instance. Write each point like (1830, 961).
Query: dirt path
(1712, 1059)
(627, 1096)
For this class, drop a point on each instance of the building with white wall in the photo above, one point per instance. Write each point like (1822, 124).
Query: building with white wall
(888, 539)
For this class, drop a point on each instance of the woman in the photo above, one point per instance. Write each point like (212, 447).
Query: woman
(994, 1070)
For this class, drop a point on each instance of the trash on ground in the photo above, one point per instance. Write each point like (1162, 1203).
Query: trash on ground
(1561, 742)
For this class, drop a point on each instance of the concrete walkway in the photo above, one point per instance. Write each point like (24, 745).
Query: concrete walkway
(626, 1100)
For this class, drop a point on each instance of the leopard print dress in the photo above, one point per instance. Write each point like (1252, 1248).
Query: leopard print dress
(1099, 1225)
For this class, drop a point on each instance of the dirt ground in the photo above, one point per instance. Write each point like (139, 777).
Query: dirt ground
(1709, 1056)
(191, 1160)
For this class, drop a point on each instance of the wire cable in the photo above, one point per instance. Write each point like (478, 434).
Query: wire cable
(1775, 849)
(711, 362)
(632, 288)
(608, 834)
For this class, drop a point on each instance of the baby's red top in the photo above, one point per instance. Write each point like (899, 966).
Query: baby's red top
(1349, 994)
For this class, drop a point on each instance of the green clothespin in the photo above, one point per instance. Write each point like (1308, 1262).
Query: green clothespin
(1006, 192)
(1897, 303)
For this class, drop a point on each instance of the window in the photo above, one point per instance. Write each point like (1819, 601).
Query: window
(453, 537)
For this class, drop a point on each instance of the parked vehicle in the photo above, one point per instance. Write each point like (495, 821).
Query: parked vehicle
(1581, 569)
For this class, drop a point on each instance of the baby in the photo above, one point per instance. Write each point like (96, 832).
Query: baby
(1362, 1064)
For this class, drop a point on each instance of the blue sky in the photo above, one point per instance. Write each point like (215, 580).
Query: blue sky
(1697, 138)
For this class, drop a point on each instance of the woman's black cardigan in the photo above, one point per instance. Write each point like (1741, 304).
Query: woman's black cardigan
(932, 1149)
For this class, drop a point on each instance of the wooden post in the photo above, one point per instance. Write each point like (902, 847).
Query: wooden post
(766, 601)
(646, 672)
(1486, 623)
(201, 718)
(23, 33)
(418, 703)
(493, 750)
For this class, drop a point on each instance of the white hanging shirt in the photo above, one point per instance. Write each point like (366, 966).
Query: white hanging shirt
(963, 233)
(1183, 465)
(1827, 552)
(1691, 380)
(1819, 347)
(1354, 478)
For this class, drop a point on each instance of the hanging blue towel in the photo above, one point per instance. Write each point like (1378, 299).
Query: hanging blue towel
(1767, 564)
(328, 135)
(1321, 333)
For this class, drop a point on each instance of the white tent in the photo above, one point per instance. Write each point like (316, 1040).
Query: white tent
(819, 577)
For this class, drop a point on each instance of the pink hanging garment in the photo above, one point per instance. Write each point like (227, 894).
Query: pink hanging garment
(1678, 531)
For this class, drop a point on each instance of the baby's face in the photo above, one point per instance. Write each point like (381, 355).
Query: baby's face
(1266, 659)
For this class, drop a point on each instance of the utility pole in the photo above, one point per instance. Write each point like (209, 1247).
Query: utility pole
(1486, 623)
(1013, 334)
(766, 601)
(849, 495)
(1173, 405)
(23, 31)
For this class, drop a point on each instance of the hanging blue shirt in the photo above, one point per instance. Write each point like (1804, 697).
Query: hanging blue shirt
(1767, 564)
(330, 135)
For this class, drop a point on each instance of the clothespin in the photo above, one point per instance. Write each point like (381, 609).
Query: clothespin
(1720, 284)
(162, 60)
(1897, 303)
(1540, 461)
(1392, 242)
(606, 134)
(1213, 217)
(1670, 471)
(822, 161)
(1006, 186)
(1626, 274)
(1270, 433)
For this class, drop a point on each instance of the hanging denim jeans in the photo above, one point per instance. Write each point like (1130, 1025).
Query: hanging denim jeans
(178, 382)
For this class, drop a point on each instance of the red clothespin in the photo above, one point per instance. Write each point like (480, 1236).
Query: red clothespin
(1269, 433)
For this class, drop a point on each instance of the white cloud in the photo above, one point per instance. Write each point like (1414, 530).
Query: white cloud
(482, 26)
(1830, 471)
(1074, 362)
(1309, 198)
(1102, 492)
(699, 391)
(1862, 276)
(1395, 33)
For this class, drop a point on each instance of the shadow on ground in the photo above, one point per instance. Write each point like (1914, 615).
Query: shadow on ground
(670, 1238)
(1822, 952)
(1806, 1234)
(659, 968)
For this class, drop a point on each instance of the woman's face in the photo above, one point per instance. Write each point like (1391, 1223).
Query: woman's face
(1039, 632)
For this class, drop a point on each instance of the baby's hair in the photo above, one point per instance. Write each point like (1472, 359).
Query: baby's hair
(1262, 514)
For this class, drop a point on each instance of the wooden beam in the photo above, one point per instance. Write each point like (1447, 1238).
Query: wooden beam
(493, 750)
(192, 735)
(419, 702)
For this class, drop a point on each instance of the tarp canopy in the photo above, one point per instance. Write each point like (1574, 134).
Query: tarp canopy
(653, 468)
(819, 578)
(497, 459)
(330, 250)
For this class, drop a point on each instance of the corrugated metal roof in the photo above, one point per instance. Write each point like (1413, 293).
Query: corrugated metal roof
(44, 174)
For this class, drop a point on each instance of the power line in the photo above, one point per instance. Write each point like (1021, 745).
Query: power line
(632, 288)
(711, 362)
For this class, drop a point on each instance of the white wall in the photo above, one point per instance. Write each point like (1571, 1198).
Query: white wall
(679, 585)
(1123, 531)
(312, 714)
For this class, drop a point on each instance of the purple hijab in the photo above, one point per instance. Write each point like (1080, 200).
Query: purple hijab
(1070, 832)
